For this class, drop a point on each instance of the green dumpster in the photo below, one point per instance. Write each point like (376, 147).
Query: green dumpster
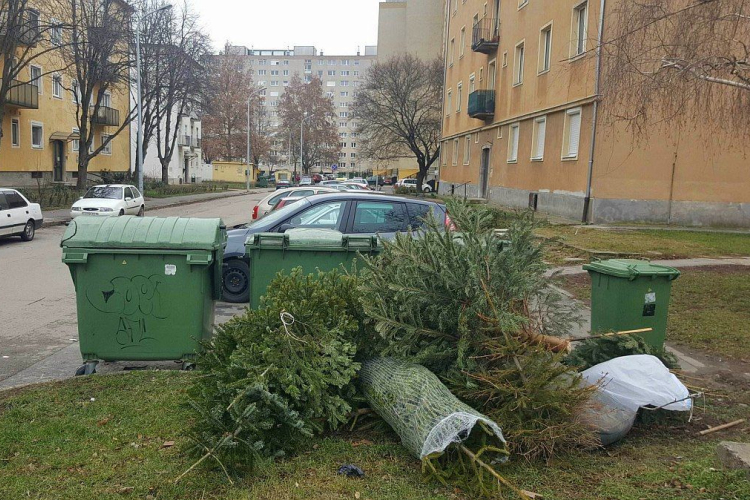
(628, 294)
(310, 249)
(145, 286)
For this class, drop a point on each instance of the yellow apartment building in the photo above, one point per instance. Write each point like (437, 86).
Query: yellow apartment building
(40, 139)
(523, 128)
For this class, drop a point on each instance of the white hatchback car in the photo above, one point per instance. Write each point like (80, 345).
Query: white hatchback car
(18, 216)
(110, 200)
(268, 203)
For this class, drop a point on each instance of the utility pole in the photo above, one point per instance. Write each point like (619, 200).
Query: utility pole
(249, 149)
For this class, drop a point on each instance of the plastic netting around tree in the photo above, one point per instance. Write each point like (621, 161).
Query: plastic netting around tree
(419, 407)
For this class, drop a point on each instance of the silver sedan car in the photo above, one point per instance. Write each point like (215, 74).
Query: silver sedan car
(268, 203)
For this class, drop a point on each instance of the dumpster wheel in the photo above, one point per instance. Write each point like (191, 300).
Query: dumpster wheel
(86, 369)
(187, 366)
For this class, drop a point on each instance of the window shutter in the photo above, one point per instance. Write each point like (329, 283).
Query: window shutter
(541, 130)
(574, 126)
(515, 143)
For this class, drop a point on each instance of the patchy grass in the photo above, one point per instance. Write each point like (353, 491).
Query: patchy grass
(584, 242)
(55, 442)
(709, 310)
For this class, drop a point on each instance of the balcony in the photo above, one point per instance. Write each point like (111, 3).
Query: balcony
(106, 116)
(184, 140)
(26, 33)
(195, 142)
(23, 95)
(482, 104)
(485, 36)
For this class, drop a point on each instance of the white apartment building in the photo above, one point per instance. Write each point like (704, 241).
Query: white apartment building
(342, 76)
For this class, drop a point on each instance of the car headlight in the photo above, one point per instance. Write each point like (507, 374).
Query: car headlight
(106, 209)
(77, 209)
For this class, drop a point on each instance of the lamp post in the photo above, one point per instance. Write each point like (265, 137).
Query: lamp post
(249, 132)
(139, 104)
(301, 163)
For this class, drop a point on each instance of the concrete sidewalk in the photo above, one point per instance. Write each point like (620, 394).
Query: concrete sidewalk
(57, 217)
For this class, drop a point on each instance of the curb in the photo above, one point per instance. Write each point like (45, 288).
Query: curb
(231, 194)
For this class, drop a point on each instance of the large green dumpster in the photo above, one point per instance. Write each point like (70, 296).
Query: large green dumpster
(629, 294)
(145, 286)
(309, 249)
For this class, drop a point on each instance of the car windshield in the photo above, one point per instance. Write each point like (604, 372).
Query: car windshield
(108, 192)
(279, 214)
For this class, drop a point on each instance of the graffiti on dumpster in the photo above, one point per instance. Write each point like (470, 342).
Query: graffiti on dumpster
(134, 300)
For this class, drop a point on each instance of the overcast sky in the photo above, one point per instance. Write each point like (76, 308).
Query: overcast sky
(335, 26)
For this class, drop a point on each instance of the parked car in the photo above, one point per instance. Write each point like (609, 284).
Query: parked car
(358, 180)
(110, 200)
(306, 181)
(387, 181)
(283, 184)
(330, 182)
(347, 212)
(317, 178)
(412, 184)
(18, 216)
(350, 186)
(269, 202)
(375, 180)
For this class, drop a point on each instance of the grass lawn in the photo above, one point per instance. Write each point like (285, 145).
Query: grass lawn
(709, 309)
(56, 442)
(648, 243)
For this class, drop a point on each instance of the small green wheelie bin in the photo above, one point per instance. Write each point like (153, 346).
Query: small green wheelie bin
(629, 294)
(145, 286)
(310, 249)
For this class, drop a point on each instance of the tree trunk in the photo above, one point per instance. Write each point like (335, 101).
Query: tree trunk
(83, 166)
(421, 174)
(165, 170)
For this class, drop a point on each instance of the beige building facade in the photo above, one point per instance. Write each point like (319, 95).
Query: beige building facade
(523, 127)
(342, 76)
(40, 140)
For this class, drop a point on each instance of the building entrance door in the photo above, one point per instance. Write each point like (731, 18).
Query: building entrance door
(58, 168)
(187, 170)
(484, 173)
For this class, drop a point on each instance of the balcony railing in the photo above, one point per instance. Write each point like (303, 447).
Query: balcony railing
(106, 116)
(23, 95)
(485, 36)
(482, 104)
(184, 140)
(27, 32)
(195, 142)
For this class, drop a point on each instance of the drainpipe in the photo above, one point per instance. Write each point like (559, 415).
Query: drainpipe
(597, 90)
(446, 30)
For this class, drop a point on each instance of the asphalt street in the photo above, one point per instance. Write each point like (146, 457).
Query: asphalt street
(37, 300)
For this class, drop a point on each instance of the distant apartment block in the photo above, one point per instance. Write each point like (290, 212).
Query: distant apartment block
(520, 126)
(342, 77)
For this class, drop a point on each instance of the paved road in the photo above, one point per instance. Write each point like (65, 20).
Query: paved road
(37, 299)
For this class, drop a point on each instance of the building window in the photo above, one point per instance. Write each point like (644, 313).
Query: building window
(343, 114)
(518, 63)
(344, 94)
(261, 72)
(37, 135)
(57, 86)
(344, 83)
(515, 128)
(455, 152)
(453, 51)
(571, 133)
(459, 94)
(462, 42)
(580, 25)
(55, 32)
(472, 85)
(491, 74)
(545, 49)
(505, 59)
(36, 77)
(76, 144)
(274, 83)
(331, 72)
(15, 133)
(353, 155)
(330, 84)
(443, 154)
(107, 149)
(449, 103)
(107, 100)
(467, 149)
(537, 140)
(344, 73)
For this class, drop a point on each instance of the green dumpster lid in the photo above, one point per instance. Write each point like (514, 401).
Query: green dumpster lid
(631, 268)
(312, 239)
(128, 232)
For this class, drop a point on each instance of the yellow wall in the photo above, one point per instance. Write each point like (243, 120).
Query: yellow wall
(232, 171)
(57, 115)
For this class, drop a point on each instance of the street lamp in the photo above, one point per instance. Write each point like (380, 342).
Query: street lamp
(249, 131)
(139, 132)
(301, 164)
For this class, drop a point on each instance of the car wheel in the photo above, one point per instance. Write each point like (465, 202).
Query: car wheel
(28, 231)
(236, 282)
(122, 212)
(426, 189)
(142, 211)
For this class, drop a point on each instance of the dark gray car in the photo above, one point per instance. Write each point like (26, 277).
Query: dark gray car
(347, 212)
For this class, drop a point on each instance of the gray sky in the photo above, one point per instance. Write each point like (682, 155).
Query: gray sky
(335, 26)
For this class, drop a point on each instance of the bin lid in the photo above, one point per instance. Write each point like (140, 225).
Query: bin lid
(631, 268)
(129, 232)
(312, 239)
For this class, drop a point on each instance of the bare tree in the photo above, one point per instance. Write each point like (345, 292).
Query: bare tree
(304, 105)
(259, 130)
(181, 82)
(98, 61)
(225, 121)
(27, 33)
(398, 110)
(668, 61)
